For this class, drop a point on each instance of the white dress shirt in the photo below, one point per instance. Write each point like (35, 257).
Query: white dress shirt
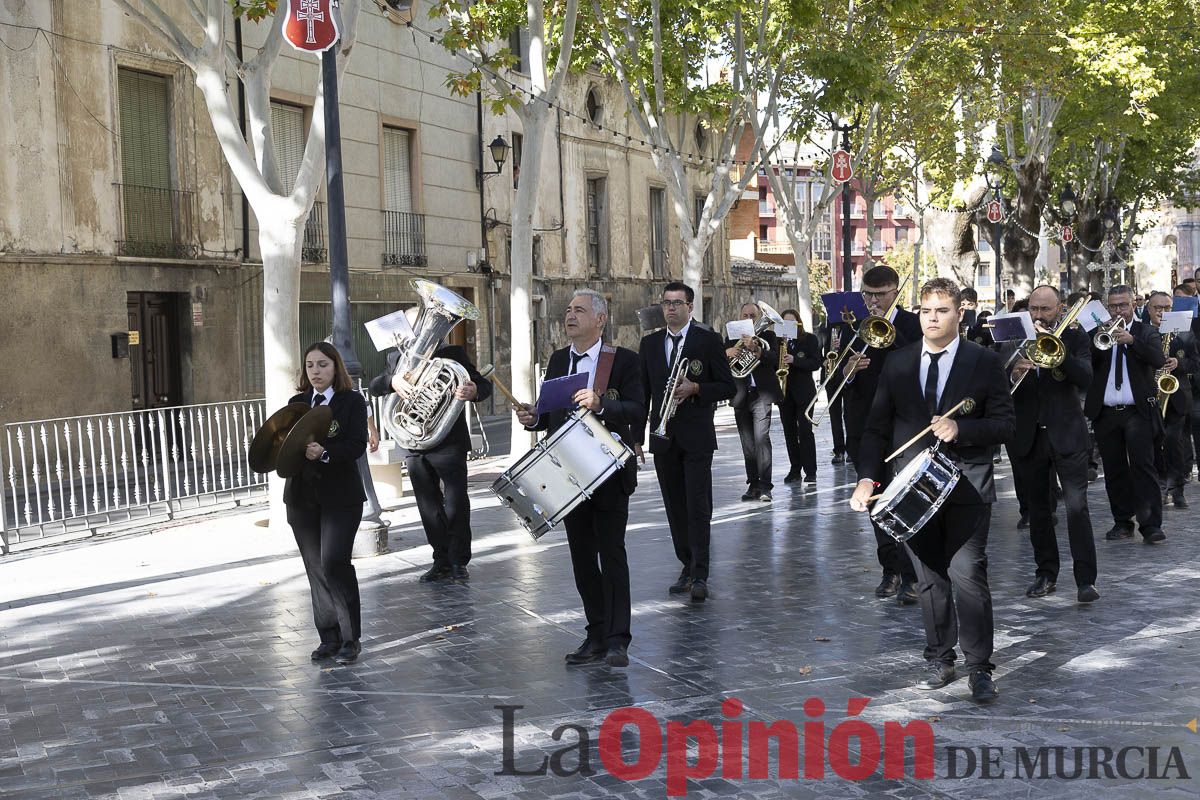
(944, 365)
(667, 340)
(328, 395)
(588, 362)
(1112, 395)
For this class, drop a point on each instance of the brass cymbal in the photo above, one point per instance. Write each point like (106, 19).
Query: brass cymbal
(312, 427)
(264, 450)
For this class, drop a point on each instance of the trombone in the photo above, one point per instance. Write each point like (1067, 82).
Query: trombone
(876, 331)
(1046, 350)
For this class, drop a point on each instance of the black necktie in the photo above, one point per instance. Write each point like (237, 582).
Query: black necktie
(575, 359)
(931, 383)
(675, 340)
(1119, 378)
(318, 399)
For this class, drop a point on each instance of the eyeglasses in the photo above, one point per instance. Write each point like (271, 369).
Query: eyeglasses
(674, 303)
(1120, 306)
(877, 295)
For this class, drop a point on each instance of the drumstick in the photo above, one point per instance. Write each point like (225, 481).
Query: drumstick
(489, 372)
(914, 439)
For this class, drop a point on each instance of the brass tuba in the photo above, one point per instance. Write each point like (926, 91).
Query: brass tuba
(745, 361)
(423, 419)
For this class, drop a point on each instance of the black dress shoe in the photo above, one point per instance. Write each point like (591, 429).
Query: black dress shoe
(751, 494)
(587, 653)
(349, 652)
(1088, 594)
(810, 478)
(936, 674)
(438, 572)
(1042, 585)
(699, 591)
(681, 586)
(1178, 500)
(1153, 536)
(983, 688)
(1092, 474)
(791, 477)
(907, 595)
(1117, 532)
(326, 651)
(459, 574)
(1023, 522)
(617, 656)
(838, 458)
(888, 586)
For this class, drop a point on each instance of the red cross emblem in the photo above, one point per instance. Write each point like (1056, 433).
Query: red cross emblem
(310, 25)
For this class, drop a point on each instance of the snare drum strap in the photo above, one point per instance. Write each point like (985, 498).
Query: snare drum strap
(604, 366)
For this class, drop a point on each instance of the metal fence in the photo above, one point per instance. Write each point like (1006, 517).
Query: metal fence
(80, 474)
(157, 223)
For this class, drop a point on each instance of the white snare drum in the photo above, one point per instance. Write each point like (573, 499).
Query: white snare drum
(915, 494)
(561, 471)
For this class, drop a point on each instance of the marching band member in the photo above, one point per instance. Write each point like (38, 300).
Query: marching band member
(880, 285)
(756, 393)
(596, 527)
(917, 383)
(325, 503)
(1052, 437)
(1180, 363)
(803, 357)
(439, 473)
(1126, 419)
(831, 341)
(683, 457)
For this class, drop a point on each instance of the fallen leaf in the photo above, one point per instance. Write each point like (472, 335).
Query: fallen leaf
(935, 719)
(805, 670)
(821, 639)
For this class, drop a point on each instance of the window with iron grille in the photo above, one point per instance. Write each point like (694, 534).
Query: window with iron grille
(288, 134)
(403, 230)
(658, 232)
(597, 225)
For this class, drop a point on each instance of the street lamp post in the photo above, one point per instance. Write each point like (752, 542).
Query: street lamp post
(995, 161)
(847, 233)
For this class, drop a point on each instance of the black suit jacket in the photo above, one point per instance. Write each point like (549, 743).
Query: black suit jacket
(1051, 399)
(459, 438)
(806, 359)
(861, 391)
(1143, 356)
(336, 483)
(898, 413)
(622, 405)
(692, 426)
(1183, 347)
(764, 374)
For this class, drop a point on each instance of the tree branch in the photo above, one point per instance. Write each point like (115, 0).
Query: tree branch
(165, 28)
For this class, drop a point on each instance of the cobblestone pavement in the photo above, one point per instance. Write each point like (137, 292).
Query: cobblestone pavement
(175, 664)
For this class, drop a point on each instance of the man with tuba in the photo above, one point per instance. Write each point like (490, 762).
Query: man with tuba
(437, 463)
(683, 454)
(1052, 437)
(596, 527)
(1175, 406)
(752, 362)
(1125, 416)
(880, 291)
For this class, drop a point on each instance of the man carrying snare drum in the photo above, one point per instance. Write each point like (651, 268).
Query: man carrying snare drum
(919, 385)
(596, 527)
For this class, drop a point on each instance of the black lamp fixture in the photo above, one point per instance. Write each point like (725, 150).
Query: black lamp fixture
(1109, 218)
(499, 149)
(996, 158)
(1066, 200)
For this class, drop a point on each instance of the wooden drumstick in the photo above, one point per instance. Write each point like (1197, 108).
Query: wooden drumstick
(489, 372)
(916, 438)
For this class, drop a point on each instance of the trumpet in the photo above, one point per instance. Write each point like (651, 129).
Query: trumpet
(670, 404)
(876, 331)
(1047, 350)
(1103, 338)
(1167, 383)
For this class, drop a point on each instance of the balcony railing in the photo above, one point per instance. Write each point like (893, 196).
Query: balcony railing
(158, 223)
(314, 251)
(774, 248)
(403, 239)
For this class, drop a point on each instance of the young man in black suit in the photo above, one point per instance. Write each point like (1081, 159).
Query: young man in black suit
(439, 472)
(683, 456)
(1125, 415)
(1052, 438)
(880, 286)
(596, 527)
(918, 384)
(756, 393)
(1181, 362)
(803, 358)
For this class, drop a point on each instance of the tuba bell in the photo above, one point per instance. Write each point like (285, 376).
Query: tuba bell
(745, 361)
(421, 420)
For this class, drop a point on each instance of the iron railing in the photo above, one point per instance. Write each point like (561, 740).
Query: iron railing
(83, 473)
(315, 251)
(403, 239)
(157, 223)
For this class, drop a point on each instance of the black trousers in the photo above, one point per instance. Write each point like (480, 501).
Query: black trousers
(754, 427)
(686, 483)
(1189, 444)
(891, 554)
(950, 555)
(1127, 443)
(1173, 474)
(839, 429)
(325, 536)
(798, 437)
(1036, 468)
(439, 481)
(596, 537)
(1020, 484)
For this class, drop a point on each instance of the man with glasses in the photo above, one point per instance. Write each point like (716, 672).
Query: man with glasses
(1125, 415)
(880, 285)
(683, 456)
(1172, 466)
(756, 393)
